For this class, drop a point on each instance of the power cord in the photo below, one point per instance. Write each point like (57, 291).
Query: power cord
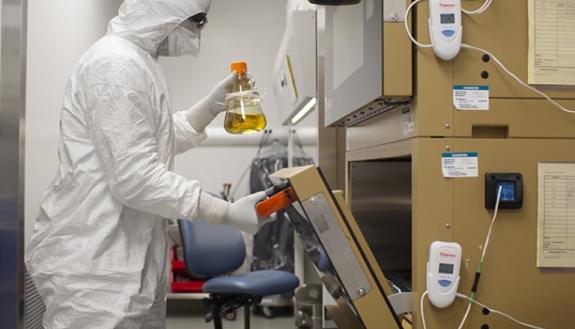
(406, 23)
(491, 310)
(516, 78)
(480, 10)
(482, 260)
(471, 298)
(499, 312)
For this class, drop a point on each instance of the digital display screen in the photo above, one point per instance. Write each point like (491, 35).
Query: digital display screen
(507, 190)
(446, 268)
(447, 18)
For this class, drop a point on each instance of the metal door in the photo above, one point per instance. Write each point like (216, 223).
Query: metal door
(12, 99)
(381, 204)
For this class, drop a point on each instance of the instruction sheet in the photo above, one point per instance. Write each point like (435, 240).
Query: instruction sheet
(552, 42)
(556, 223)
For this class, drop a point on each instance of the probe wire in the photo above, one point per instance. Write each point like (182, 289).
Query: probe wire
(495, 59)
(406, 23)
(491, 310)
(477, 273)
(479, 10)
(516, 78)
(500, 313)
(482, 260)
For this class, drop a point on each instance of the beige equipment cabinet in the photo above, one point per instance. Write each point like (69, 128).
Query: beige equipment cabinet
(337, 247)
(518, 132)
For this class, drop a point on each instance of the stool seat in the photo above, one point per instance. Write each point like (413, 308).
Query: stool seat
(258, 283)
(212, 251)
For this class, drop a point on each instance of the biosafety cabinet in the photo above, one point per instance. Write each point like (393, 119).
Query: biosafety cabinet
(364, 60)
(404, 196)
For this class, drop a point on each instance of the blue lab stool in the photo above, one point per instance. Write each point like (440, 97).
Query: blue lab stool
(212, 251)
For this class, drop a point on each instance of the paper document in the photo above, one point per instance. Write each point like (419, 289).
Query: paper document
(556, 230)
(552, 42)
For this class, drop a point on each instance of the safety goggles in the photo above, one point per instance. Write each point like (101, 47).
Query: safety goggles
(198, 21)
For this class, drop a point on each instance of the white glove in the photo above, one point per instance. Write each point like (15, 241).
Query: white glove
(240, 214)
(206, 110)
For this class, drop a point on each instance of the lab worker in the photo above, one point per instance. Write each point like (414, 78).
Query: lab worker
(98, 252)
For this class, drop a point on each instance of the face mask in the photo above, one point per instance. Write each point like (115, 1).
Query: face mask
(183, 40)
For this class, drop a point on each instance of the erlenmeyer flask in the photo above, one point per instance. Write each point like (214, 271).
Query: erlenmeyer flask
(244, 113)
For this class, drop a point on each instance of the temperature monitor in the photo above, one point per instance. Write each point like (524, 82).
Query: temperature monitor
(443, 273)
(445, 27)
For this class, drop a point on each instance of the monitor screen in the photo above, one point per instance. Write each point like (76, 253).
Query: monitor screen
(507, 190)
(447, 18)
(446, 268)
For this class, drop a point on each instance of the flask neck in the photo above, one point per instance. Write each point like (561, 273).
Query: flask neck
(242, 84)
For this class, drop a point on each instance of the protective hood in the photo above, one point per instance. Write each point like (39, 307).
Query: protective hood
(147, 23)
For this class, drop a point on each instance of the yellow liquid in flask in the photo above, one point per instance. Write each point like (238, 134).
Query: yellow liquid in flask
(244, 116)
(236, 124)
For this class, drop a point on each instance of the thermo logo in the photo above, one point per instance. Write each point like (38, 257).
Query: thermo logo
(446, 5)
(444, 254)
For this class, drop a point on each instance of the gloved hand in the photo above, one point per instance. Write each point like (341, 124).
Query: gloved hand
(206, 110)
(240, 214)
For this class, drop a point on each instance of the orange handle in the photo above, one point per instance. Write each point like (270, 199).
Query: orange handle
(276, 202)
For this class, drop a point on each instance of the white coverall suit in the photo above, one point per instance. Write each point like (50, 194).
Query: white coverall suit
(98, 252)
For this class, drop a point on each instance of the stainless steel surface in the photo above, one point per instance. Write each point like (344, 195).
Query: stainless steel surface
(186, 296)
(276, 301)
(381, 204)
(327, 321)
(394, 10)
(308, 307)
(402, 303)
(12, 100)
(331, 141)
(351, 41)
(370, 111)
(336, 246)
(350, 61)
(34, 306)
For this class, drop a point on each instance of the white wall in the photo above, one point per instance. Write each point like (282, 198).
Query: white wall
(293, 5)
(60, 31)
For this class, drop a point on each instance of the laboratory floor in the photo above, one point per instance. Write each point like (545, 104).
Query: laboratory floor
(184, 314)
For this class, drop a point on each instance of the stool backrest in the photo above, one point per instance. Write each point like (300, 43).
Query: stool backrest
(211, 250)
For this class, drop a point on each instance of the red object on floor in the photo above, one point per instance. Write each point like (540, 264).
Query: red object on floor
(188, 287)
(179, 267)
(180, 280)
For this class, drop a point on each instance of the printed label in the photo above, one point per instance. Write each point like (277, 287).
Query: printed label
(462, 164)
(471, 98)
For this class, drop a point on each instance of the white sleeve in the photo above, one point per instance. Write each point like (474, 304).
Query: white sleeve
(120, 118)
(187, 137)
